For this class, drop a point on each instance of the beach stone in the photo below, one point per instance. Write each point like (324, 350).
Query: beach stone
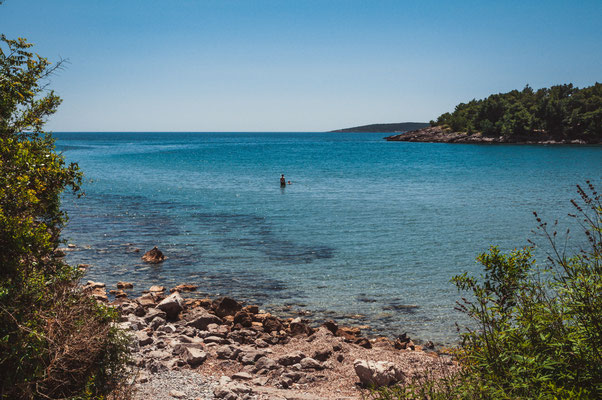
(194, 356)
(156, 323)
(226, 307)
(265, 363)
(322, 355)
(291, 358)
(143, 338)
(299, 328)
(156, 289)
(244, 319)
(203, 319)
(222, 392)
(380, 373)
(152, 313)
(153, 256)
(242, 376)
(228, 352)
(251, 309)
(146, 300)
(216, 339)
(184, 288)
(363, 342)
(310, 363)
(249, 357)
(177, 394)
(125, 285)
(172, 305)
(272, 324)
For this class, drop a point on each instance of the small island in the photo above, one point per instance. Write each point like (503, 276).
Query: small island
(386, 128)
(561, 114)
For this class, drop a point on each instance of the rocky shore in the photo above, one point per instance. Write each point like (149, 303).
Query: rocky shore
(437, 134)
(187, 348)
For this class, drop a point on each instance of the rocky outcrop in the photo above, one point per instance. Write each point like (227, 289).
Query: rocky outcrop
(437, 134)
(153, 256)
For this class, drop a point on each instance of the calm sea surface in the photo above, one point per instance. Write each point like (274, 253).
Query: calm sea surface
(370, 232)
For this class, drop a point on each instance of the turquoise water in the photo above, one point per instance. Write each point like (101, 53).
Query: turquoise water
(369, 232)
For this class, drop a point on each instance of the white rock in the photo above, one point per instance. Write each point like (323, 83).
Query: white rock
(380, 373)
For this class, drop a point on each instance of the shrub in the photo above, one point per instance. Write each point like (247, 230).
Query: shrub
(537, 329)
(55, 342)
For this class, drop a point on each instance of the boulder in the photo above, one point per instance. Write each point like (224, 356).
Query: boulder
(172, 305)
(226, 306)
(379, 373)
(125, 285)
(153, 256)
(203, 319)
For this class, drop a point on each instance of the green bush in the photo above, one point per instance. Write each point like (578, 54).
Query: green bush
(537, 329)
(55, 342)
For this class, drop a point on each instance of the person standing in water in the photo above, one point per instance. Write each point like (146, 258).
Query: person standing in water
(282, 181)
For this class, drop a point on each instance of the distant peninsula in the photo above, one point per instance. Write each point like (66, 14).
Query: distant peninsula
(386, 128)
(560, 114)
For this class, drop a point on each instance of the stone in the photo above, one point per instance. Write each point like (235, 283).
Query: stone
(228, 353)
(265, 363)
(244, 319)
(216, 339)
(242, 376)
(152, 313)
(177, 394)
(184, 288)
(300, 328)
(363, 342)
(125, 285)
(310, 363)
(322, 355)
(153, 256)
(379, 373)
(226, 307)
(156, 323)
(222, 392)
(272, 324)
(331, 326)
(203, 319)
(251, 309)
(194, 356)
(348, 333)
(156, 289)
(143, 338)
(172, 305)
(249, 357)
(291, 358)
(147, 300)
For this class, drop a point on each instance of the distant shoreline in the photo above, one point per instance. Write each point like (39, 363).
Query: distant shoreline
(386, 128)
(438, 134)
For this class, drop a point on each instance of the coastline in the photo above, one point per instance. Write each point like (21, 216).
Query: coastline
(241, 351)
(437, 134)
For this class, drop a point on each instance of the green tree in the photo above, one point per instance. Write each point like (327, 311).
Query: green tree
(55, 342)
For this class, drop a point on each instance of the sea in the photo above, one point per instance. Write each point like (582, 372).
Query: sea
(367, 233)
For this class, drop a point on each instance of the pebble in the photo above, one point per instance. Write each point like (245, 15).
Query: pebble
(190, 384)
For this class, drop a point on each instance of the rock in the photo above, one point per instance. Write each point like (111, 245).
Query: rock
(265, 363)
(156, 289)
(203, 319)
(146, 300)
(350, 333)
(153, 313)
(291, 358)
(226, 306)
(331, 326)
(125, 285)
(172, 305)
(184, 288)
(194, 356)
(242, 376)
(153, 256)
(71, 246)
(244, 319)
(403, 342)
(272, 324)
(340, 358)
(156, 323)
(380, 373)
(251, 309)
(300, 328)
(322, 355)
(143, 338)
(119, 294)
(363, 342)
(310, 363)
(83, 266)
(250, 357)
(228, 353)
(216, 339)
(177, 394)
(96, 290)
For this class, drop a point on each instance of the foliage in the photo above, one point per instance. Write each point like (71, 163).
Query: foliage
(54, 341)
(561, 112)
(537, 331)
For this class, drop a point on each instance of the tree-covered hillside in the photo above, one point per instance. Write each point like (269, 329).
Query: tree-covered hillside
(561, 112)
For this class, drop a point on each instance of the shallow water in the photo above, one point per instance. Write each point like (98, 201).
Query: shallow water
(369, 232)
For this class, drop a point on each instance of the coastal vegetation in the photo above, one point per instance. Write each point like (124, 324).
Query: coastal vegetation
(55, 341)
(560, 113)
(537, 328)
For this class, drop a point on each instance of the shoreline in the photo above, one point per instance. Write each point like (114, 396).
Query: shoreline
(241, 351)
(437, 134)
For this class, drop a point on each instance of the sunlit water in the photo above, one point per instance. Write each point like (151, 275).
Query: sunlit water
(369, 232)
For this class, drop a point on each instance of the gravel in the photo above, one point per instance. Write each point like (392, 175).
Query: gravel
(166, 385)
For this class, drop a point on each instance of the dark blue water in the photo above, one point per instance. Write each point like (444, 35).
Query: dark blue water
(369, 232)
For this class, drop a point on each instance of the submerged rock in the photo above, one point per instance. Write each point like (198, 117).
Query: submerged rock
(153, 256)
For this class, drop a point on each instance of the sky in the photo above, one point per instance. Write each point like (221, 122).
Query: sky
(296, 65)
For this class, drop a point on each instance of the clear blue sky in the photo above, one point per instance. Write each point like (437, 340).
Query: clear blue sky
(295, 65)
